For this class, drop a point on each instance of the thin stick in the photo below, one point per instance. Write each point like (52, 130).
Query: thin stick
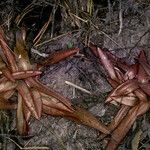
(42, 31)
(78, 17)
(39, 53)
(27, 148)
(99, 31)
(78, 87)
(55, 38)
(120, 19)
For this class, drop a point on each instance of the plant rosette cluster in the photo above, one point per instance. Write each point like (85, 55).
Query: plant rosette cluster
(131, 89)
(20, 77)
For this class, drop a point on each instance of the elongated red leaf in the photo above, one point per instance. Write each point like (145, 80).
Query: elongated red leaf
(7, 86)
(145, 88)
(22, 125)
(123, 89)
(126, 100)
(7, 105)
(142, 76)
(27, 98)
(146, 67)
(117, 119)
(59, 55)
(8, 52)
(120, 132)
(43, 89)
(112, 82)
(131, 72)
(37, 100)
(54, 103)
(107, 63)
(119, 74)
(93, 49)
(22, 75)
(140, 95)
(8, 74)
(80, 116)
(142, 56)
(6, 95)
